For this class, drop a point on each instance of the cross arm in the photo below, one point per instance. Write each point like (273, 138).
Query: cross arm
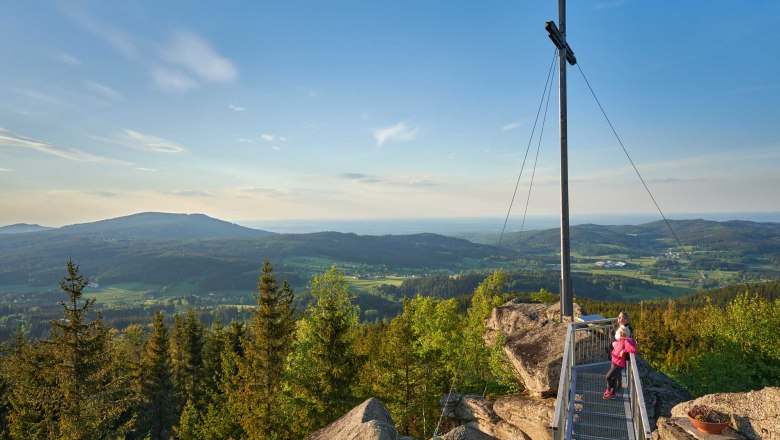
(560, 41)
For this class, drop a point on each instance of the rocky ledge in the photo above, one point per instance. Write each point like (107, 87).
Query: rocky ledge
(368, 421)
(754, 414)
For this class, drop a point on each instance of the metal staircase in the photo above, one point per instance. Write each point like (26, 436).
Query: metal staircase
(580, 411)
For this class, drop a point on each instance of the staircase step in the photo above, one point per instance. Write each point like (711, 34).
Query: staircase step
(617, 430)
(603, 414)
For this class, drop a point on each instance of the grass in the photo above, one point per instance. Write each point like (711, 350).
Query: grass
(366, 286)
(120, 294)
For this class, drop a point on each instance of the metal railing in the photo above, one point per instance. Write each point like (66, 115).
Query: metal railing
(588, 343)
(638, 411)
(562, 402)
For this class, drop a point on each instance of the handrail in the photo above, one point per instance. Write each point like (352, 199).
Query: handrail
(586, 343)
(643, 431)
(562, 401)
(594, 345)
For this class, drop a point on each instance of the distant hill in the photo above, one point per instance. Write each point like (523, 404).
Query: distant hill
(210, 254)
(158, 225)
(22, 228)
(740, 237)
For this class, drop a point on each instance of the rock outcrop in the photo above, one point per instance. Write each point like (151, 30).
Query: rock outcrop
(680, 428)
(534, 337)
(475, 411)
(531, 415)
(755, 414)
(368, 421)
(467, 433)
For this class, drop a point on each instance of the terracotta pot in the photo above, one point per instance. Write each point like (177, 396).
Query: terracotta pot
(709, 428)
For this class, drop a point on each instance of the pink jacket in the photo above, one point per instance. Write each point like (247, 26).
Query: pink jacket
(622, 347)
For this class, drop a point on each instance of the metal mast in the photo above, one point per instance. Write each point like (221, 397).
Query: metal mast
(558, 36)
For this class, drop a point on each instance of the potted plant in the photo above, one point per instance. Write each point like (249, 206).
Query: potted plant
(708, 420)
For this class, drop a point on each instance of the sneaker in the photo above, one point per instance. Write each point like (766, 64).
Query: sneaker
(609, 394)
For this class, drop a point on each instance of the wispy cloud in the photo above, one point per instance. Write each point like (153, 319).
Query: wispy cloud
(171, 80)
(187, 193)
(511, 126)
(397, 132)
(179, 64)
(195, 54)
(67, 58)
(36, 94)
(145, 169)
(422, 180)
(276, 147)
(236, 108)
(361, 178)
(117, 38)
(245, 141)
(262, 191)
(15, 141)
(141, 141)
(6, 170)
(273, 137)
(102, 89)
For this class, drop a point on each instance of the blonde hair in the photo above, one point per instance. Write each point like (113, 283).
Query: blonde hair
(625, 331)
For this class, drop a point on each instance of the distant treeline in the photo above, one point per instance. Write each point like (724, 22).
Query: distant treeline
(586, 285)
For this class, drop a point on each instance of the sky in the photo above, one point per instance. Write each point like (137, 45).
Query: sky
(252, 111)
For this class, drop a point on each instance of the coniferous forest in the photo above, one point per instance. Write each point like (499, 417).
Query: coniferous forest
(284, 373)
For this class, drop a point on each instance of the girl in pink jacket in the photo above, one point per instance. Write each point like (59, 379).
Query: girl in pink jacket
(620, 350)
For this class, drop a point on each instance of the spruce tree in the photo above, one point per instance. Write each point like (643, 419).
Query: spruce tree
(323, 364)
(158, 412)
(34, 396)
(93, 398)
(187, 358)
(261, 370)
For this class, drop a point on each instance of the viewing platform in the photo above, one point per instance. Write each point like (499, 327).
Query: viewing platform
(581, 412)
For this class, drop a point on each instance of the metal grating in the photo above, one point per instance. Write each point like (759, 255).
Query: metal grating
(593, 417)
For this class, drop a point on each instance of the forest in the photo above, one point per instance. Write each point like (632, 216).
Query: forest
(285, 371)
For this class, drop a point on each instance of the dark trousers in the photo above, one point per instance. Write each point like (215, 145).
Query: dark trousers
(613, 377)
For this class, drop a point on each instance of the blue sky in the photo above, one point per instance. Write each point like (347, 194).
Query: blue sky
(362, 109)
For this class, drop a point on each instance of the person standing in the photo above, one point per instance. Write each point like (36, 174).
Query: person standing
(624, 345)
(622, 320)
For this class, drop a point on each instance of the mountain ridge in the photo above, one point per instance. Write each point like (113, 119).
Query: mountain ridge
(22, 228)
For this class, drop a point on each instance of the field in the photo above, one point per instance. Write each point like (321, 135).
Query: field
(366, 286)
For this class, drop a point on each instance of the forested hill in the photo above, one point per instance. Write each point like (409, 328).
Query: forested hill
(741, 237)
(158, 225)
(21, 228)
(165, 249)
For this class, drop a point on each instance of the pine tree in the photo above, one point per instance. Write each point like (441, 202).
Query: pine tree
(93, 397)
(323, 364)
(187, 357)
(261, 370)
(34, 397)
(158, 412)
